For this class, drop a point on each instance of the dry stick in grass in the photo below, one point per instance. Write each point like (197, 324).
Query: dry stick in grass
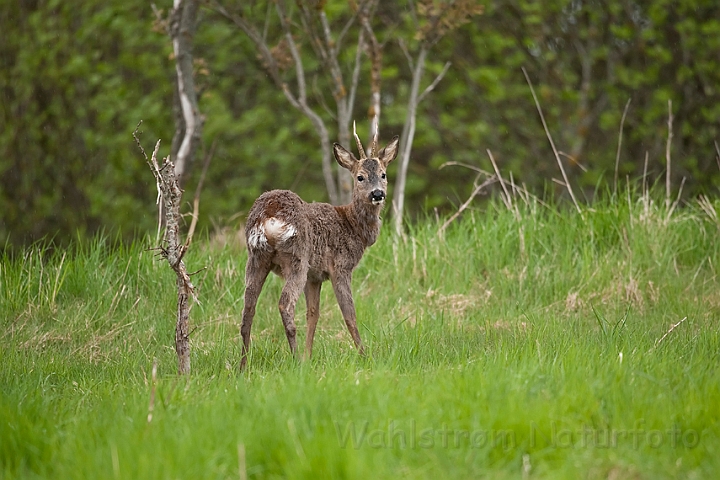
(574, 160)
(174, 251)
(507, 199)
(717, 158)
(676, 202)
(617, 155)
(513, 208)
(667, 155)
(552, 144)
(475, 192)
(196, 200)
(516, 191)
(707, 207)
(667, 333)
(645, 189)
(629, 200)
(521, 190)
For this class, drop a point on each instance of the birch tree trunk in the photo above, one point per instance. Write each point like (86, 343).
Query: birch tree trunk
(406, 142)
(188, 121)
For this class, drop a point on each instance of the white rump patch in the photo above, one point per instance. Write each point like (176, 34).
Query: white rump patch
(257, 239)
(273, 228)
(278, 230)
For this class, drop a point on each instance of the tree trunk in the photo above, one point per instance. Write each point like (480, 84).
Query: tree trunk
(406, 142)
(188, 121)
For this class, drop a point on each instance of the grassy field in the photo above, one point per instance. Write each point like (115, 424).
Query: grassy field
(529, 344)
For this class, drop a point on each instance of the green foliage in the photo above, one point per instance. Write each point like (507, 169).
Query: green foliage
(76, 79)
(531, 343)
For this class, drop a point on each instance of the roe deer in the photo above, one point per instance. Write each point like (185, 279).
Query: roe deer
(308, 243)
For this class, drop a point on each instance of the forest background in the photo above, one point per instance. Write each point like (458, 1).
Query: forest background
(77, 77)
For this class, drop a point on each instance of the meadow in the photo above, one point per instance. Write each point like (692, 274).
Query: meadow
(533, 342)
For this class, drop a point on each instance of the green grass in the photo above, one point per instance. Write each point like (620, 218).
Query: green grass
(512, 347)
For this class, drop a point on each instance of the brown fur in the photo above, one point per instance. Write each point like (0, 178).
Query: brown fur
(308, 243)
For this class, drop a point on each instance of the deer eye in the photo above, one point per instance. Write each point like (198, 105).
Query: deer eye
(360, 178)
(383, 176)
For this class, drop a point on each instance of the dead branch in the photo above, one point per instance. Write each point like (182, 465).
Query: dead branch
(475, 192)
(471, 167)
(198, 189)
(174, 250)
(507, 199)
(674, 205)
(673, 327)
(573, 160)
(154, 167)
(617, 155)
(552, 144)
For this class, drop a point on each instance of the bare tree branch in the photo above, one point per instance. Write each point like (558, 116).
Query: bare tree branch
(552, 144)
(300, 101)
(406, 52)
(617, 155)
(434, 83)
(507, 198)
(471, 167)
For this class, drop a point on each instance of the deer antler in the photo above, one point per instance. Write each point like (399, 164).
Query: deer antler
(374, 146)
(361, 150)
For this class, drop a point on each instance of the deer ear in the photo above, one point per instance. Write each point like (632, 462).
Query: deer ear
(389, 153)
(343, 157)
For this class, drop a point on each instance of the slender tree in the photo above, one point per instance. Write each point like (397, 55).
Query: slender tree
(313, 26)
(432, 22)
(188, 120)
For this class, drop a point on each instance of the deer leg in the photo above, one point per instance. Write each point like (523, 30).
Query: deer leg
(343, 293)
(256, 273)
(294, 284)
(312, 299)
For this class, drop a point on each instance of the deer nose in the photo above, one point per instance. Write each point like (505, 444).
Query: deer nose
(377, 195)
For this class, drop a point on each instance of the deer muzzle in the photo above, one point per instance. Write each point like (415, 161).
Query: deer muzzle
(377, 196)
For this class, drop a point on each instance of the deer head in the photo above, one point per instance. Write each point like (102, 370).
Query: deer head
(370, 183)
